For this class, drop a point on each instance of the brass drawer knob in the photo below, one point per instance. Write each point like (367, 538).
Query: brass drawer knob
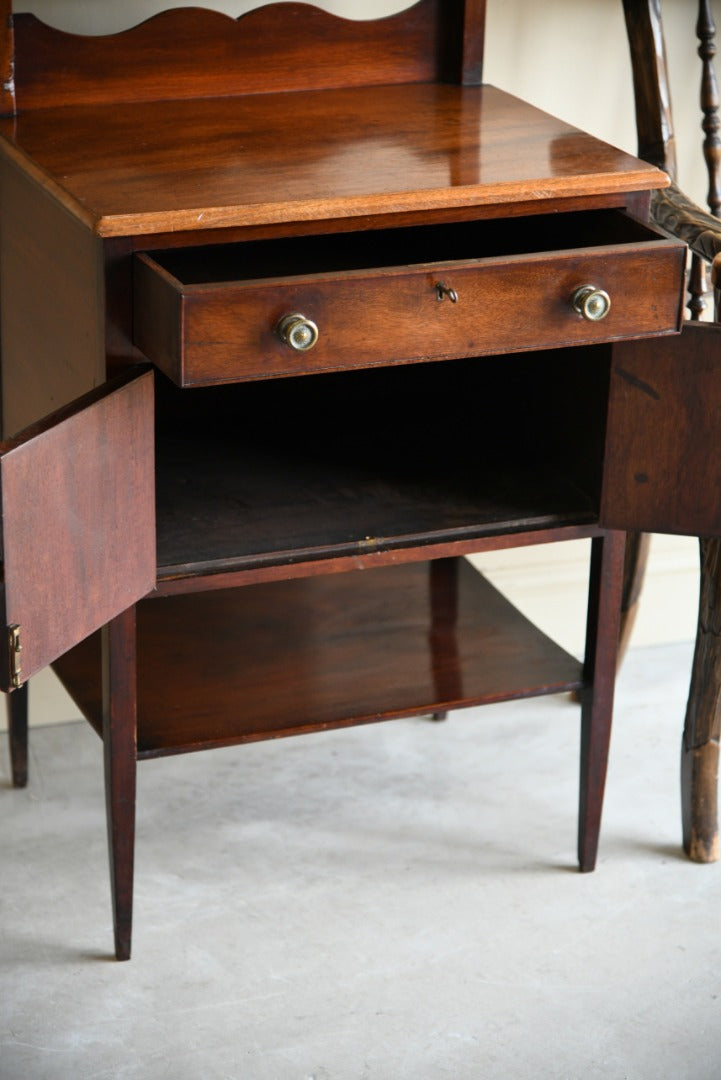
(297, 331)
(591, 302)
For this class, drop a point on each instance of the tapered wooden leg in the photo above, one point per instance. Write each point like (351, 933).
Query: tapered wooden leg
(604, 605)
(634, 569)
(17, 713)
(700, 748)
(120, 746)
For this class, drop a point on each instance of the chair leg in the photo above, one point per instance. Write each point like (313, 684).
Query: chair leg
(120, 754)
(17, 713)
(604, 601)
(702, 729)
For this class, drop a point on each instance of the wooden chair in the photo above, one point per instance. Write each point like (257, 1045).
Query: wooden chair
(678, 215)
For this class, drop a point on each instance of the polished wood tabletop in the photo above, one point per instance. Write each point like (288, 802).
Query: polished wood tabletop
(161, 166)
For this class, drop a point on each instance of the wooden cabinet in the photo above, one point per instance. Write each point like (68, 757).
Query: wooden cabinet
(384, 305)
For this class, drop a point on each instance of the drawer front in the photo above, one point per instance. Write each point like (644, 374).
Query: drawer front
(202, 334)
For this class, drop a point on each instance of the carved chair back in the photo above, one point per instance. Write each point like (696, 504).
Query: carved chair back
(656, 140)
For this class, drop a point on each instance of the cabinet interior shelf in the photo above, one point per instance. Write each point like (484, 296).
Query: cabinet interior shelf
(303, 469)
(234, 666)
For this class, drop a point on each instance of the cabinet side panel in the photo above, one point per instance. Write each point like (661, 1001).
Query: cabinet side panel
(51, 303)
(663, 445)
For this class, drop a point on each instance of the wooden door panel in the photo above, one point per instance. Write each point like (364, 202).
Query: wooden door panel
(663, 447)
(77, 497)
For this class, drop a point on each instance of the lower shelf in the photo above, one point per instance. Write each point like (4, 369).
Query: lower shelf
(262, 661)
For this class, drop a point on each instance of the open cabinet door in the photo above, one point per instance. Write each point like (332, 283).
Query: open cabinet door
(662, 470)
(77, 499)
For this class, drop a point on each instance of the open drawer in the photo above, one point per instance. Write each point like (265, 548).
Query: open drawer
(264, 309)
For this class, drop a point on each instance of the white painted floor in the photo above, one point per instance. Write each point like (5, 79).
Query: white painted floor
(394, 902)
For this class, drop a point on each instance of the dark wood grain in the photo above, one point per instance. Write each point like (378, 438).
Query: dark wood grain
(341, 466)
(654, 122)
(606, 579)
(118, 723)
(197, 577)
(662, 464)
(444, 592)
(120, 352)
(702, 726)
(202, 328)
(347, 249)
(269, 515)
(191, 52)
(634, 203)
(70, 489)
(465, 29)
(7, 60)
(706, 33)
(711, 124)
(680, 216)
(356, 648)
(51, 290)
(17, 715)
(352, 152)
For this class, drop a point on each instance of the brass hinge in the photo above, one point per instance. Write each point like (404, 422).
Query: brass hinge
(15, 649)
